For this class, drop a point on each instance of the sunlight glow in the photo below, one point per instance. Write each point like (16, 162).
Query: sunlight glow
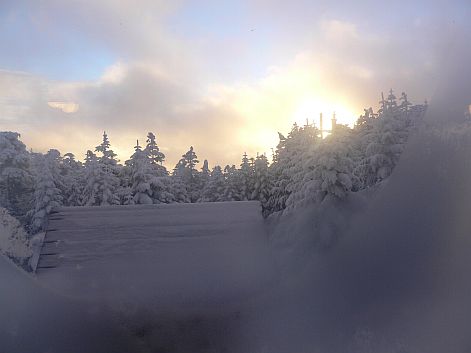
(310, 109)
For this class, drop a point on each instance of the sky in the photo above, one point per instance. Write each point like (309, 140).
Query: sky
(222, 76)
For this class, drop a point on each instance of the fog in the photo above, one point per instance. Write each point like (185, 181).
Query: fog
(385, 270)
(396, 278)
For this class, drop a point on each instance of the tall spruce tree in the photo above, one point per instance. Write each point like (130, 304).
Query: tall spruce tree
(190, 174)
(385, 143)
(262, 182)
(47, 194)
(246, 178)
(107, 155)
(141, 176)
(152, 150)
(90, 195)
(107, 179)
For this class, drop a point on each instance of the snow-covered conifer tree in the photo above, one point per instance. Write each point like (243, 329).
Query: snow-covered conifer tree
(205, 173)
(108, 185)
(385, 143)
(16, 181)
(125, 195)
(152, 150)
(90, 196)
(162, 189)
(189, 174)
(281, 179)
(287, 171)
(73, 180)
(55, 162)
(214, 190)
(155, 156)
(141, 176)
(328, 170)
(47, 194)
(107, 179)
(108, 156)
(179, 189)
(233, 184)
(405, 104)
(191, 159)
(262, 182)
(246, 173)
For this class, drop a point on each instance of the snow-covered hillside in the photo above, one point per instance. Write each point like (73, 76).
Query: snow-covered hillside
(381, 270)
(397, 277)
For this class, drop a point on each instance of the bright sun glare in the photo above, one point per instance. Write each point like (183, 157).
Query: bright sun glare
(310, 108)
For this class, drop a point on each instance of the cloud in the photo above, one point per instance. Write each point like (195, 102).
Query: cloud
(66, 107)
(339, 30)
(222, 120)
(164, 82)
(127, 102)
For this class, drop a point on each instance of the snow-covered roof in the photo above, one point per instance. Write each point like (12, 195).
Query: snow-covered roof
(169, 249)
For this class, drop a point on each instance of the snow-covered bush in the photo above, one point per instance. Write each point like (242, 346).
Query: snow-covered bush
(14, 241)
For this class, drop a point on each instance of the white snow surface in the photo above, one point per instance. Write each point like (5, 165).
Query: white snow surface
(35, 320)
(381, 272)
(173, 258)
(395, 276)
(186, 288)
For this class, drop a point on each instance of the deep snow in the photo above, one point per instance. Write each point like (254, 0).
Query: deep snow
(185, 280)
(386, 271)
(169, 258)
(35, 320)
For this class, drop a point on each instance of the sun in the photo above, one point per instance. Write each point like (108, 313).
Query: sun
(309, 109)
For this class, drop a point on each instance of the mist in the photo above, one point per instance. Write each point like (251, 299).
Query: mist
(309, 257)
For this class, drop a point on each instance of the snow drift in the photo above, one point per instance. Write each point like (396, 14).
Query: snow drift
(35, 320)
(397, 278)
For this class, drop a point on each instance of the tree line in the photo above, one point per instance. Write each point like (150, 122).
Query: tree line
(305, 168)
